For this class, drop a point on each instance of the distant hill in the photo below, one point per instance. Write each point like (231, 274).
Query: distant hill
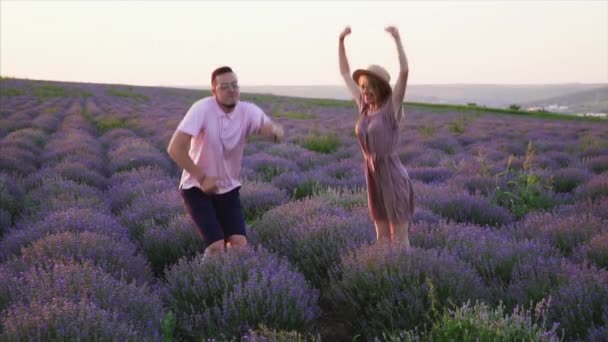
(491, 95)
(588, 101)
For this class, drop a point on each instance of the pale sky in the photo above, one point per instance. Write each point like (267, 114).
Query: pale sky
(296, 43)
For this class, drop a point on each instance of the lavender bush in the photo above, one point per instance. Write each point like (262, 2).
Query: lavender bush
(596, 251)
(480, 322)
(565, 232)
(55, 194)
(268, 166)
(595, 188)
(259, 197)
(69, 170)
(226, 295)
(69, 220)
(59, 319)
(383, 288)
(313, 240)
(156, 209)
(566, 180)
(127, 186)
(467, 208)
(493, 254)
(164, 246)
(86, 284)
(581, 304)
(263, 334)
(11, 199)
(116, 257)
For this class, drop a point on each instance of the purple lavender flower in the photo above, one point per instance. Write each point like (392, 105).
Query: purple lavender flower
(467, 208)
(156, 209)
(30, 139)
(382, 287)
(85, 284)
(258, 197)
(268, 166)
(164, 246)
(11, 198)
(69, 170)
(565, 232)
(17, 161)
(595, 250)
(312, 235)
(494, 254)
(116, 257)
(595, 188)
(229, 294)
(61, 319)
(127, 186)
(430, 174)
(130, 153)
(581, 303)
(56, 194)
(565, 180)
(74, 219)
(598, 164)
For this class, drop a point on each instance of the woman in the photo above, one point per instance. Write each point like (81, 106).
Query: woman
(389, 190)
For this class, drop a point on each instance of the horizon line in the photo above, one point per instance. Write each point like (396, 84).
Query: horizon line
(303, 85)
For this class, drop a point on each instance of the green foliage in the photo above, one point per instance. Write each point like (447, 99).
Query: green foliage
(588, 141)
(426, 130)
(49, 90)
(329, 103)
(481, 323)
(459, 125)
(168, 325)
(278, 112)
(105, 124)
(322, 143)
(345, 198)
(485, 165)
(263, 333)
(307, 189)
(295, 115)
(127, 92)
(514, 107)
(11, 92)
(523, 193)
(445, 108)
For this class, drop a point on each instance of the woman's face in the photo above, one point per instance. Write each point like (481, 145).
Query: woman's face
(370, 96)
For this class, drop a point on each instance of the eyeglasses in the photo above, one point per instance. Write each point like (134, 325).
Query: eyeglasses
(226, 86)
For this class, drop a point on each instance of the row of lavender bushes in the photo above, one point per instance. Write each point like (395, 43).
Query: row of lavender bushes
(89, 203)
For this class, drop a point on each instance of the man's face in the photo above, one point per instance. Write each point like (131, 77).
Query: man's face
(226, 89)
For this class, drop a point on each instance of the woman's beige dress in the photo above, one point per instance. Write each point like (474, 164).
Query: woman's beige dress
(389, 189)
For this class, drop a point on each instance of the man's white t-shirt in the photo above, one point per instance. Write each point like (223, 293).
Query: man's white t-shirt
(218, 140)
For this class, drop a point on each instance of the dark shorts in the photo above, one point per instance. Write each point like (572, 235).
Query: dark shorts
(216, 216)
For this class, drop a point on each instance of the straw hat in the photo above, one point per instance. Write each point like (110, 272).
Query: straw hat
(375, 71)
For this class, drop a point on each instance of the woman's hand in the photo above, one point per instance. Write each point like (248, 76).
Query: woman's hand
(345, 33)
(393, 31)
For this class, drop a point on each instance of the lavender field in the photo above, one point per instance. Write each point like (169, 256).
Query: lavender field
(510, 234)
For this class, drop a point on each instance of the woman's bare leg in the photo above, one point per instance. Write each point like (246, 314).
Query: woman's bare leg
(400, 234)
(383, 231)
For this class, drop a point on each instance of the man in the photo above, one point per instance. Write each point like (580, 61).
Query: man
(208, 145)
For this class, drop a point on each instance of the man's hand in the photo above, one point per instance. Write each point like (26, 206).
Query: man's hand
(208, 185)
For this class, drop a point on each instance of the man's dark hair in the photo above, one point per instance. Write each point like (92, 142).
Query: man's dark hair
(219, 71)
